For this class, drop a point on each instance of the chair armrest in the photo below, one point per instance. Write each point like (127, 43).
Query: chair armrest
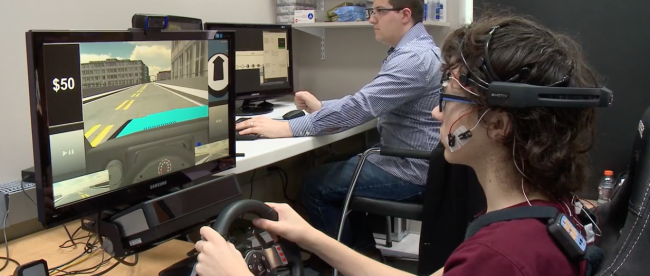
(405, 153)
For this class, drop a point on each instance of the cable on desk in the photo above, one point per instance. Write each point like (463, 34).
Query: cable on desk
(107, 270)
(22, 187)
(87, 252)
(102, 263)
(101, 243)
(73, 239)
(4, 233)
(71, 264)
(59, 268)
(91, 269)
(88, 249)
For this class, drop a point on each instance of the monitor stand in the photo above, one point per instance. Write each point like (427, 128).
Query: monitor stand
(248, 109)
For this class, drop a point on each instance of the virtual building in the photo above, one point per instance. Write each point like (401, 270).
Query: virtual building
(164, 75)
(188, 59)
(113, 72)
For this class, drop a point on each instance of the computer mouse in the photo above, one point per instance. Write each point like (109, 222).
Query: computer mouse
(293, 114)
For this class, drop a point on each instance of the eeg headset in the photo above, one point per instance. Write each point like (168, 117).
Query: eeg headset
(512, 93)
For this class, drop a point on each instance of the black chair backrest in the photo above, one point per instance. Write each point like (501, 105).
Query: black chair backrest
(626, 218)
(452, 198)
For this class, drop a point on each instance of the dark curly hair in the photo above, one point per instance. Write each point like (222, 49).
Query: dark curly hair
(550, 143)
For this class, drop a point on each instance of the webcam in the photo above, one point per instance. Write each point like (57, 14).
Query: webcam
(154, 22)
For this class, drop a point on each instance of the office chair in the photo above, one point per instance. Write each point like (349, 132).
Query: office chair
(385, 208)
(625, 219)
(452, 197)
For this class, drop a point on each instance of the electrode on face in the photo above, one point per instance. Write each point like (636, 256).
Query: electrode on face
(459, 138)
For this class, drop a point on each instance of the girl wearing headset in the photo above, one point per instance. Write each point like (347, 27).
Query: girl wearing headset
(522, 157)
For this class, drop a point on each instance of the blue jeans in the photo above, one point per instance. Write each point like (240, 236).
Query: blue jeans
(323, 194)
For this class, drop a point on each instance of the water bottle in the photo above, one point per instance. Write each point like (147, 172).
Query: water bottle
(441, 10)
(605, 187)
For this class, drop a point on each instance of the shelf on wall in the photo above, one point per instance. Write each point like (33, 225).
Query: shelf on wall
(356, 24)
(318, 28)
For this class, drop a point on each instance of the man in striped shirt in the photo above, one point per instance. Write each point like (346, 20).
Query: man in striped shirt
(401, 97)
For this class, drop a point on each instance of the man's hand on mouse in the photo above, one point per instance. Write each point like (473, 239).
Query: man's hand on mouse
(307, 101)
(266, 127)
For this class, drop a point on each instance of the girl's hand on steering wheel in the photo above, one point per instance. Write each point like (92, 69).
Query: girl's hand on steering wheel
(217, 257)
(290, 225)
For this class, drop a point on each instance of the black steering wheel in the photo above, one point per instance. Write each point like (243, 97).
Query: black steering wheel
(265, 261)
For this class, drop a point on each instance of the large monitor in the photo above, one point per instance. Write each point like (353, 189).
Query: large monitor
(120, 115)
(264, 64)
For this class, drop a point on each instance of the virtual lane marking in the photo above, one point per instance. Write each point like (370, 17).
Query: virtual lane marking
(98, 139)
(128, 105)
(92, 130)
(121, 105)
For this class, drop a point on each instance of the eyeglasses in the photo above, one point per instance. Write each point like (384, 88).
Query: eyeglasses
(452, 98)
(371, 11)
(449, 97)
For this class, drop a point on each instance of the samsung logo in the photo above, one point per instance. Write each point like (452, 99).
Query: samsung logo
(157, 185)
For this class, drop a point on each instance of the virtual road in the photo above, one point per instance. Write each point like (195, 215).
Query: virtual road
(79, 195)
(75, 189)
(104, 116)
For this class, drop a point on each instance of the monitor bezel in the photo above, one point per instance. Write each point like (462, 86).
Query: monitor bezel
(267, 93)
(50, 216)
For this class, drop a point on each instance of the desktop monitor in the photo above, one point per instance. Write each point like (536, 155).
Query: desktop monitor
(118, 116)
(264, 64)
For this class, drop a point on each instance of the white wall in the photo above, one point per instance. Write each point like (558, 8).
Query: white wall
(352, 55)
(17, 17)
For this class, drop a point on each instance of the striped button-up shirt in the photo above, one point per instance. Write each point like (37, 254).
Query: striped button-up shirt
(401, 96)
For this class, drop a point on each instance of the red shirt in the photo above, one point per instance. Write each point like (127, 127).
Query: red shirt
(517, 248)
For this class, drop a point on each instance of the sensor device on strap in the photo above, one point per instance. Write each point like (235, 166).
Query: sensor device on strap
(563, 232)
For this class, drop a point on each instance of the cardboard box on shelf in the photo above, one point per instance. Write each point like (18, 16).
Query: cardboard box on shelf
(304, 16)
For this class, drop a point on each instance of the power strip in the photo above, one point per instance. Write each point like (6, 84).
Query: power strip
(21, 207)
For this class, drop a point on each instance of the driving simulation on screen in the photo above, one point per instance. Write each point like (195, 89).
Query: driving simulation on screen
(124, 112)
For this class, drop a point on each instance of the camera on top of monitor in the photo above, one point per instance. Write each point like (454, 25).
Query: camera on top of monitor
(155, 22)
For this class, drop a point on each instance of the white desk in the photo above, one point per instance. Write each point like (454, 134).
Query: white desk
(263, 152)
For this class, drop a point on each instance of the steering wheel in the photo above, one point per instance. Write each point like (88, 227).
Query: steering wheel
(265, 261)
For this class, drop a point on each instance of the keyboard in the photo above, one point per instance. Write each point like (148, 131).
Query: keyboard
(247, 137)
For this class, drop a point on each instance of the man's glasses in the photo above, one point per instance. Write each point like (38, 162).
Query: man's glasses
(449, 97)
(378, 11)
